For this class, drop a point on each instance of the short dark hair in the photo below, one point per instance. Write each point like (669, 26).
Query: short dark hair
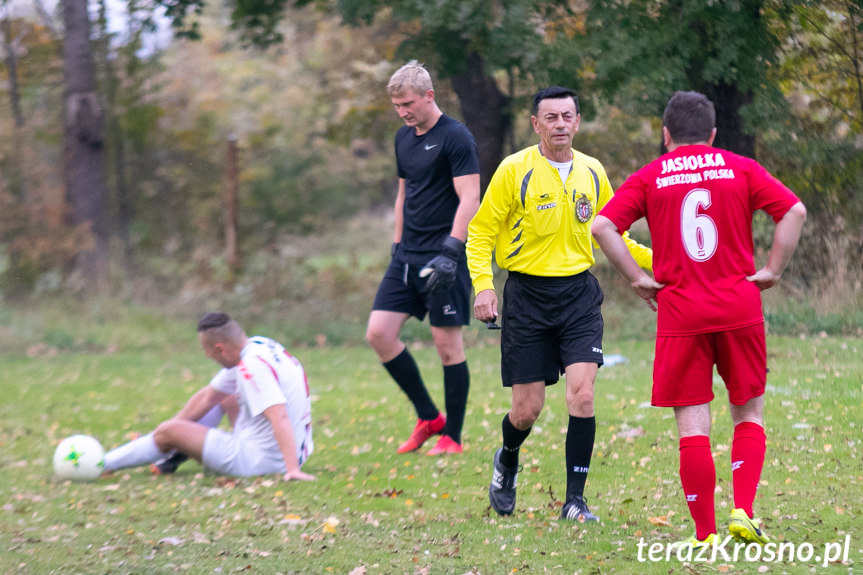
(689, 117)
(552, 93)
(213, 320)
(216, 327)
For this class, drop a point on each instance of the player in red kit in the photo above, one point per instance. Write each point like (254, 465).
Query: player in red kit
(698, 202)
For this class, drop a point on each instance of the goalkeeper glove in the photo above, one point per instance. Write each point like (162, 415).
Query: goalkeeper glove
(441, 270)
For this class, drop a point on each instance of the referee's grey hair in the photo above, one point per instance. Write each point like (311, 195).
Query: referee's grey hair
(411, 76)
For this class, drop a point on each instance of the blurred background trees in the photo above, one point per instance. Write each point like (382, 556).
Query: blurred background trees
(112, 168)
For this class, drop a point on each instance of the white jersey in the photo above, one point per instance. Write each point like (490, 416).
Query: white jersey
(268, 375)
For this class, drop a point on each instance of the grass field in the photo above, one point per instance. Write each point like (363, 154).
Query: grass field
(373, 511)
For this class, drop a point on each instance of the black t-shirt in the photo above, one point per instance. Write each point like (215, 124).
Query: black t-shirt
(428, 163)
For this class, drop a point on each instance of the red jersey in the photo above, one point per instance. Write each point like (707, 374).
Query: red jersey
(698, 202)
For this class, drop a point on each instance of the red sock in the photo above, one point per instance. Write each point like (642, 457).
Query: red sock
(698, 476)
(747, 460)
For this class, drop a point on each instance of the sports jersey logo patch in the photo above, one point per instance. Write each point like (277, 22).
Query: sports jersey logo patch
(583, 209)
(546, 206)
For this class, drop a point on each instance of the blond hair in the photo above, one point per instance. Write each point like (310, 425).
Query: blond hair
(411, 76)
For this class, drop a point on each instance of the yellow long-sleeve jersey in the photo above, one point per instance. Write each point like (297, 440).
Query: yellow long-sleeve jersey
(537, 224)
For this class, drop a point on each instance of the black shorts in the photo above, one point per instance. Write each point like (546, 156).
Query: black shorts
(549, 323)
(403, 291)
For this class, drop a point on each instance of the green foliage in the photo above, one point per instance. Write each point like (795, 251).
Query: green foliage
(814, 146)
(288, 195)
(806, 320)
(511, 36)
(315, 128)
(822, 67)
(33, 248)
(817, 146)
(300, 189)
(642, 51)
(179, 12)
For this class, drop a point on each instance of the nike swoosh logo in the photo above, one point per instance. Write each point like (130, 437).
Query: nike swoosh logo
(430, 146)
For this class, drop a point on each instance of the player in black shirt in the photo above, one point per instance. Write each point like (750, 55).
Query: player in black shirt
(438, 169)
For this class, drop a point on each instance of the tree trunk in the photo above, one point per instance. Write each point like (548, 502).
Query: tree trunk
(728, 99)
(12, 65)
(231, 204)
(116, 140)
(84, 154)
(15, 178)
(486, 114)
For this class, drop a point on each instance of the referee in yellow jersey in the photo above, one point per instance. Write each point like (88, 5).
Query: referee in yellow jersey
(536, 216)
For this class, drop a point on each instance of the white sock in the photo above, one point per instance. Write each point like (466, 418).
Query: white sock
(213, 417)
(137, 452)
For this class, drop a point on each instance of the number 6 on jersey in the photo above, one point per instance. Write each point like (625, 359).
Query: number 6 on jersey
(698, 231)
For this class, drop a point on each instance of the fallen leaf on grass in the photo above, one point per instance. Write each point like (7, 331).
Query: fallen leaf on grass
(291, 521)
(630, 433)
(176, 541)
(391, 493)
(330, 525)
(661, 520)
(34, 497)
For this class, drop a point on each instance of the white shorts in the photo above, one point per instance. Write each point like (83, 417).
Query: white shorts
(227, 454)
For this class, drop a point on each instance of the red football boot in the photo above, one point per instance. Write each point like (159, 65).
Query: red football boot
(445, 444)
(424, 429)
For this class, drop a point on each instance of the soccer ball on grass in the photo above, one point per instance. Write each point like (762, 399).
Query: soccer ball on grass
(80, 458)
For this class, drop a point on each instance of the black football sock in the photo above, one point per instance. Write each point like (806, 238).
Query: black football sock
(512, 440)
(405, 372)
(456, 383)
(580, 437)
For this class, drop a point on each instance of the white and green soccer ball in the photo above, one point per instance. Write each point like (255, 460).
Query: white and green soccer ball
(80, 458)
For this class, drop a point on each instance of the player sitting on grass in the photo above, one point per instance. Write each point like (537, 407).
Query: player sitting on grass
(265, 393)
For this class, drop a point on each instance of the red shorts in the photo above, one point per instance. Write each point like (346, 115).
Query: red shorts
(683, 368)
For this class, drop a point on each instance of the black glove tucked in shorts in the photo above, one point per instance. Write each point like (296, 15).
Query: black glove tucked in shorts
(441, 270)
